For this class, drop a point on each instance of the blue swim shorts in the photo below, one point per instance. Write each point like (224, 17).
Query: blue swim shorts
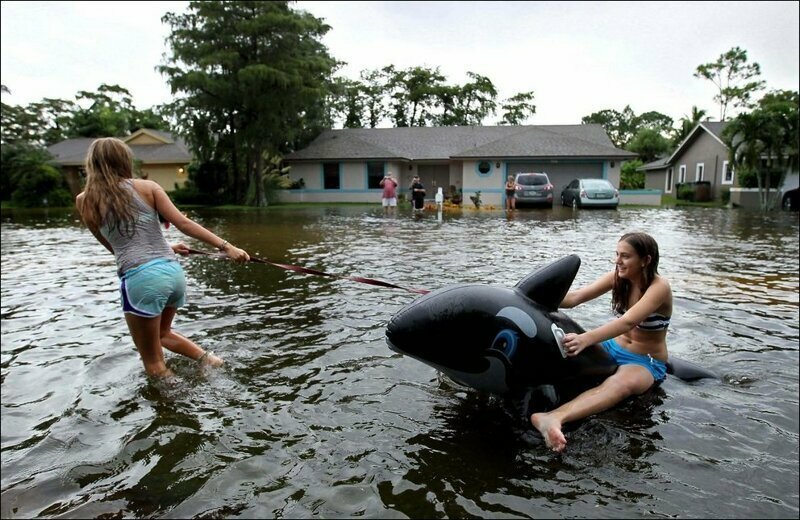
(148, 288)
(622, 356)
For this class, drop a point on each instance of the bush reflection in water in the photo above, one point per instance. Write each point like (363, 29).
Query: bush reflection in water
(314, 416)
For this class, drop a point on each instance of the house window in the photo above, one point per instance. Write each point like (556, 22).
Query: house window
(668, 184)
(375, 171)
(698, 172)
(330, 176)
(727, 173)
(681, 174)
(484, 167)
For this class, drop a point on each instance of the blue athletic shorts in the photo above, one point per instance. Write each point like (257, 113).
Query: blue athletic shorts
(621, 356)
(150, 287)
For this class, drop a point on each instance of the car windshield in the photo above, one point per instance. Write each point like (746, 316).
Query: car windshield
(596, 184)
(532, 180)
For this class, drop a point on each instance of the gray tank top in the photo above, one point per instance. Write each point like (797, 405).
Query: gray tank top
(147, 242)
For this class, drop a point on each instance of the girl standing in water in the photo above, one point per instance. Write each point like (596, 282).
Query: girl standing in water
(123, 215)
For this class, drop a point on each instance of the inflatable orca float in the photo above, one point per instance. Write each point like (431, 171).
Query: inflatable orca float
(501, 340)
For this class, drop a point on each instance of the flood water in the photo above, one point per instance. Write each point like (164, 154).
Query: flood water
(314, 416)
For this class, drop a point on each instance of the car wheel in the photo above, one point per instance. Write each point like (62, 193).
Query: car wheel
(574, 203)
(563, 202)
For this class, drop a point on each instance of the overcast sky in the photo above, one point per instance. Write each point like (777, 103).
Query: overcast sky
(577, 57)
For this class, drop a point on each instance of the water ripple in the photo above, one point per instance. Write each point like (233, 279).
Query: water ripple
(312, 415)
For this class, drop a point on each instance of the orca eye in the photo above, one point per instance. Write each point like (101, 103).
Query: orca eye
(506, 342)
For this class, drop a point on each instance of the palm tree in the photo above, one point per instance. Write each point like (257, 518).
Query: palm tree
(766, 140)
(687, 125)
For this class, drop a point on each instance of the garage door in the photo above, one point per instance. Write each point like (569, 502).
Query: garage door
(560, 174)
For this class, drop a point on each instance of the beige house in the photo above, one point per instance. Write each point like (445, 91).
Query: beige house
(160, 157)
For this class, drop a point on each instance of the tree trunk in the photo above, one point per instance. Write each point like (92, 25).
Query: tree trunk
(261, 200)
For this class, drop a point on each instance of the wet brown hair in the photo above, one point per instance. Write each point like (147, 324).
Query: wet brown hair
(105, 200)
(645, 246)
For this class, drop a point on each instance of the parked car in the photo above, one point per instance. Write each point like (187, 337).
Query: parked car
(791, 199)
(595, 193)
(533, 188)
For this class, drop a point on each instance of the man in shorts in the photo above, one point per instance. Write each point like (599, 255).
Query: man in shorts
(389, 196)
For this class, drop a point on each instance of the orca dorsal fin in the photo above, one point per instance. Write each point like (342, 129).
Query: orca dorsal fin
(548, 285)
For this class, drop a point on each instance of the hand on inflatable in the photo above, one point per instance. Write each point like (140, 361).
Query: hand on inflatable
(574, 343)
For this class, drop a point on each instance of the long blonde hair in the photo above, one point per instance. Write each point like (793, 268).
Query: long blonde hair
(105, 200)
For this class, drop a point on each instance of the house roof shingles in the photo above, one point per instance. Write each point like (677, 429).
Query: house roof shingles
(444, 143)
(72, 152)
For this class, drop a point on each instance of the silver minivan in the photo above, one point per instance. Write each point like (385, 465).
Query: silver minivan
(533, 188)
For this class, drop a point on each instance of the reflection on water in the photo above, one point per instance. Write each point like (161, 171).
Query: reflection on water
(314, 416)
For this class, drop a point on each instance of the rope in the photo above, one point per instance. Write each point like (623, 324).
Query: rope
(306, 270)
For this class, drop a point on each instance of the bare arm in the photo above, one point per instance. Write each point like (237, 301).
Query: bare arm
(652, 300)
(589, 292)
(191, 228)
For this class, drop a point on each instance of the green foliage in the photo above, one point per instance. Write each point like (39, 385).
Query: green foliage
(621, 127)
(106, 112)
(476, 199)
(517, 108)
(276, 177)
(189, 193)
(24, 167)
(752, 178)
(766, 141)
(685, 192)
(420, 96)
(42, 185)
(253, 78)
(206, 184)
(467, 104)
(687, 123)
(629, 178)
(734, 78)
(725, 194)
(649, 144)
(413, 94)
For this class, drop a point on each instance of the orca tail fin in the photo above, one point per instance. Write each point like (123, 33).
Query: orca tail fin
(688, 371)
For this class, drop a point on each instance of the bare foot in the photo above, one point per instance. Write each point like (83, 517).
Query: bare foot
(210, 359)
(165, 377)
(550, 428)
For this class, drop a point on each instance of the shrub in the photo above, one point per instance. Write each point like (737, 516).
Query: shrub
(749, 178)
(43, 185)
(629, 178)
(725, 194)
(189, 193)
(685, 192)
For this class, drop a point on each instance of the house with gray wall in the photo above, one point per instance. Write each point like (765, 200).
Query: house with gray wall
(703, 156)
(346, 165)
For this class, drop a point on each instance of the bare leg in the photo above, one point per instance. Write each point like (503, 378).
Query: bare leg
(179, 343)
(146, 337)
(627, 381)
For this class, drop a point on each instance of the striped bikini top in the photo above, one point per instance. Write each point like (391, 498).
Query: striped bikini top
(651, 323)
